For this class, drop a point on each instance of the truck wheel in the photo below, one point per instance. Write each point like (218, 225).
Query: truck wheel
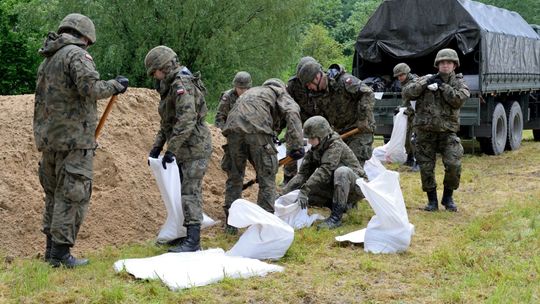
(515, 127)
(495, 144)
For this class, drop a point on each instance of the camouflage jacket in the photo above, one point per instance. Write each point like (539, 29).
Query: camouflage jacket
(182, 109)
(438, 111)
(226, 102)
(406, 101)
(67, 87)
(300, 94)
(319, 164)
(347, 102)
(262, 110)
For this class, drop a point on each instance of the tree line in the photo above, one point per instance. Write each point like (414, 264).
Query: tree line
(216, 37)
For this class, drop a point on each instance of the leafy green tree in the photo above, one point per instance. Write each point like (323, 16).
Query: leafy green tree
(320, 45)
(18, 60)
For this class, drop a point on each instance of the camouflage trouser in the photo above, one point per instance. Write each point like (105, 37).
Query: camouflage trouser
(261, 150)
(192, 199)
(66, 178)
(409, 146)
(342, 189)
(428, 144)
(361, 145)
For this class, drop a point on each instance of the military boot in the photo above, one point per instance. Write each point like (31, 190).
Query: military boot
(334, 220)
(448, 201)
(410, 160)
(433, 203)
(48, 246)
(192, 241)
(60, 256)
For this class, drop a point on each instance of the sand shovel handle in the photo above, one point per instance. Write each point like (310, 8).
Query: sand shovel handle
(104, 116)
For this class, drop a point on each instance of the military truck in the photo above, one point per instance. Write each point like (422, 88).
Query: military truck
(499, 55)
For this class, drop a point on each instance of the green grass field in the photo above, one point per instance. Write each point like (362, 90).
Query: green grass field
(488, 252)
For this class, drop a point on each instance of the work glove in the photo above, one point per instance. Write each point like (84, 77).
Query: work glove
(154, 153)
(124, 82)
(167, 159)
(302, 200)
(297, 153)
(435, 79)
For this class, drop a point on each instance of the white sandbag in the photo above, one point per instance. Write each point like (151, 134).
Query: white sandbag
(389, 231)
(168, 182)
(373, 167)
(287, 208)
(394, 150)
(357, 236)
(190, 269)
(268, 237)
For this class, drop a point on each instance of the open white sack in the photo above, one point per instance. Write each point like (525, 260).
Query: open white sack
(394, 150)
(389, 230)
(190, 269)
(287, 208)
(268, 237)
(168, 182)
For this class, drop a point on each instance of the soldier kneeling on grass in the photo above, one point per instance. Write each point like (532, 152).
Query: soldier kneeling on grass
(328, 173)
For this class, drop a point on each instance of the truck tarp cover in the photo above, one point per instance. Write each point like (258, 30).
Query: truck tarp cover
(415, 28)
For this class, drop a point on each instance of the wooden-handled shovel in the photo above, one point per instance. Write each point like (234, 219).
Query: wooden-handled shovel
(104, 116)
(287, 160)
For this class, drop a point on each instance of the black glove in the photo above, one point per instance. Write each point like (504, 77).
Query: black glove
(435, 79)
(167, 158)
(154, 153)
(297, 154)
(124, 82)
(302, 200)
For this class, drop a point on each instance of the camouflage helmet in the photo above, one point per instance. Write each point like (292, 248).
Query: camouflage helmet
(401, 68)
(157, 58)
(447, 54)
(242, 80)
(317, 126)
(81, 24)
(302, 62)
(274, 82)
(309, 71)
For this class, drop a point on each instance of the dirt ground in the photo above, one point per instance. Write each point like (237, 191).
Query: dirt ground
(126, 205)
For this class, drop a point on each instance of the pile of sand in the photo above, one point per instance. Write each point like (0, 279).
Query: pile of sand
(126, 205)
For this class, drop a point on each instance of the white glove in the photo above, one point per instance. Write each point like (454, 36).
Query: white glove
(433, 87)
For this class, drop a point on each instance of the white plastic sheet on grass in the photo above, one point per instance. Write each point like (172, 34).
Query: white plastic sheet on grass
(389, 230)
(287, 208)
(268, 237)
(394, 150)
(168, 182)
(190, 269)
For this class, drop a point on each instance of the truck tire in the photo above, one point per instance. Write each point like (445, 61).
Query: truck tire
(495, 144)
(515, 126)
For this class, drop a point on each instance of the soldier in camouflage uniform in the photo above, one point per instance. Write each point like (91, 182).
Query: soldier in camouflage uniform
(345, 102)
(65, 119)
(241, 83)
(182, 109)
(328, 172)
(438, 100)
(403, 73)
(300, 94)
(249, 129)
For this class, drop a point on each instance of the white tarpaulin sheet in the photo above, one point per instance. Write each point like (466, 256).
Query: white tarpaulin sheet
(268, 237)
(168, 182)
(190, 269)
(394, 150)
(287, 208)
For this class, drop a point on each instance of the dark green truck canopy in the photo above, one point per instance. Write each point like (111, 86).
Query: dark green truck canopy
(413, 30)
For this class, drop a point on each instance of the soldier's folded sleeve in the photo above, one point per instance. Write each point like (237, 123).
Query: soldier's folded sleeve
(83, 72)
(186, 118)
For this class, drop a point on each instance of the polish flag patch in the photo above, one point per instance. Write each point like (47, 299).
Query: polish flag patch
(348, 80)
(180, 92)
(88, 57)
